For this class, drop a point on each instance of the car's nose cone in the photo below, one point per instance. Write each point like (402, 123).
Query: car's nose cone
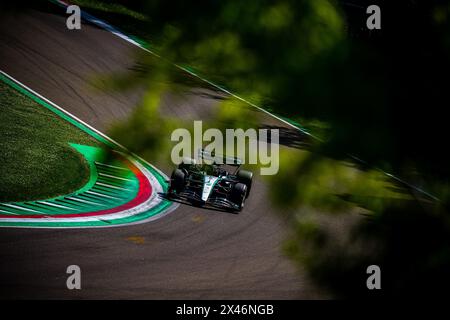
(208, 186)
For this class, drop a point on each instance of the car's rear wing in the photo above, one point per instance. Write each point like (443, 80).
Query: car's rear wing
(219, 158)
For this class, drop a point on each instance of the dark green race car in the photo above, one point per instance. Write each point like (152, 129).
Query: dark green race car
(211, 184)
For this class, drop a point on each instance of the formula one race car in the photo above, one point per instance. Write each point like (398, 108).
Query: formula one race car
(211, 184)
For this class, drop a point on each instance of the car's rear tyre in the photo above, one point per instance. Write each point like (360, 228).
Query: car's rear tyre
(177, 181)
(239, 194)
(246, 178)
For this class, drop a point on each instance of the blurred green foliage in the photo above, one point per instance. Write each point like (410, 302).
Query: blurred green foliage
(379, 95)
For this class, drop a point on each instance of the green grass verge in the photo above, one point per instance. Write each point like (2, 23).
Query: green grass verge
(36, 161)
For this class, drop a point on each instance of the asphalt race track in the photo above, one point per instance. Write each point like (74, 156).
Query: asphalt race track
(190, 253)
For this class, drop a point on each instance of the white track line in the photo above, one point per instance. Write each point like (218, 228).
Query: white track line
(54, 205)
(134, 158)
(110, 176)
(19, 208)
(103, 195)
(85, 201)
(112, 187)
(108, 165)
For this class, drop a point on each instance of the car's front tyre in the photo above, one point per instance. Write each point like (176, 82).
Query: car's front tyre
(239, 194)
